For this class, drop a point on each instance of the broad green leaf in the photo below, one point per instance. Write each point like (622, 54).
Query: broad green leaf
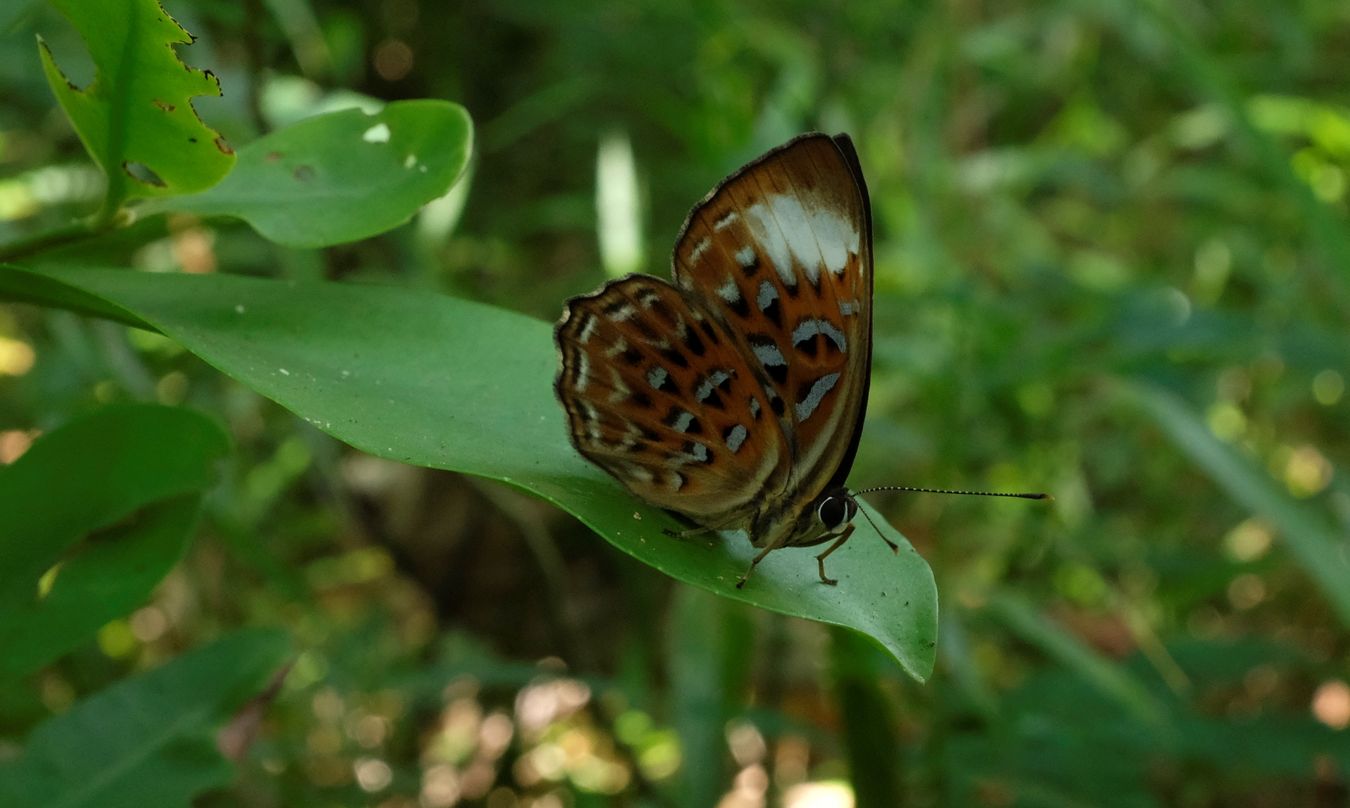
(1314, 543)
(136, 117)
(28, 287)
(112, 498)
(149, 740)
(342, 176)
(445, 383)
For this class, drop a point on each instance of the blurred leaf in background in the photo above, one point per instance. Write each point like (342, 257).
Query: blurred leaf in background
(97, 513)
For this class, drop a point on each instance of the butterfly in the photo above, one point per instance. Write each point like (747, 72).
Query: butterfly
(735, 395)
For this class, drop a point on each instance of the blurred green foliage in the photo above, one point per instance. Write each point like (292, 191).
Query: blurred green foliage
(1113, 262)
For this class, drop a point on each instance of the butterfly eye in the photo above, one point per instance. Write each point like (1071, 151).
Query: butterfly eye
(835, 511)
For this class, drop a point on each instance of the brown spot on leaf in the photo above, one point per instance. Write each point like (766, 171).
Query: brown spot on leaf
(163, 106)
(223, 145)
(303, 173)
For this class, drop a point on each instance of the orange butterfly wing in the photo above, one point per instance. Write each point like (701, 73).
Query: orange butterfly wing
(781, 253)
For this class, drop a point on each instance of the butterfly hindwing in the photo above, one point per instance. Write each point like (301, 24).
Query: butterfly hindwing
(658, 394)
(780, 253)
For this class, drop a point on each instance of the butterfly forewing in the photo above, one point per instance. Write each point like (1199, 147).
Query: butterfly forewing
(780, 254)
(659, 394)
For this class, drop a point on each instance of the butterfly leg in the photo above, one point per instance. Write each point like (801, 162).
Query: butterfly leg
(820, 559)
(740, 582)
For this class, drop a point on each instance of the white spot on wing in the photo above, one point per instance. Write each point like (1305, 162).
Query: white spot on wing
(768, 354)
(849, 307)
(736, 437)
(682, 423)
(768, 293)
(620, 391)
(587, 329)
(807, 329)
(592, 419)
(806, 236)
(710, 381)
(836, 235)
(699, 452)
(764, 227)
(699, 249)
(729, 291)
(801, 238)
(583, 372)
(745, 256)
(657, 376)
(812, 401)
(726, 221)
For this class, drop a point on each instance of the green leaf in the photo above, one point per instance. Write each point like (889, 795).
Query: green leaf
(149, 740)
(342, 176)
(112, 498)
(1313, 541)
(136, 115)
(30, 287)
(446, 383)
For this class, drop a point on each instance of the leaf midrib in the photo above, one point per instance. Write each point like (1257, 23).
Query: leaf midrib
(119, 97)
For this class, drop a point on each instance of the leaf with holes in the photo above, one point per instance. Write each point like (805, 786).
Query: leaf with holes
(136, 117)
(342, 176)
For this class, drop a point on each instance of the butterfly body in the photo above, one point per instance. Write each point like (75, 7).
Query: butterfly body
(735, 395)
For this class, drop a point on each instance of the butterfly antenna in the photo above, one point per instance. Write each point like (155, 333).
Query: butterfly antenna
(950, 491)
(895, 548)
